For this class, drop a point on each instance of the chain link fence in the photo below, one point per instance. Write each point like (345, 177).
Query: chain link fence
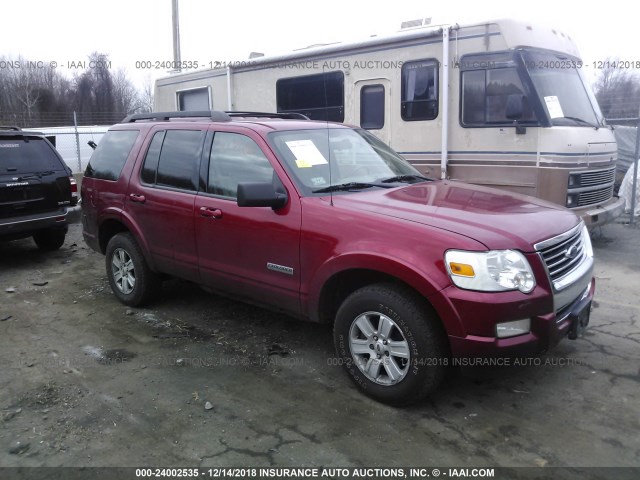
(626, 133)
(68, 132)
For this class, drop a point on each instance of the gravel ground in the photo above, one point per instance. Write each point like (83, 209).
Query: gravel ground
(200, 380)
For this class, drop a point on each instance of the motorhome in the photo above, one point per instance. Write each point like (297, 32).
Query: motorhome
(503, 103)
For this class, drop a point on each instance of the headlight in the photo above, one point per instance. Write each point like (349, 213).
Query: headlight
(493, 271)
(586, 239)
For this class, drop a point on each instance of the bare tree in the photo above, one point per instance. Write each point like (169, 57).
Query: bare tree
(126, 97)
(618, 91)
(33, 94)
(146, 96)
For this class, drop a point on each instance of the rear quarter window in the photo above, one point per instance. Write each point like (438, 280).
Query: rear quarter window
(22, 155)
(111, 154)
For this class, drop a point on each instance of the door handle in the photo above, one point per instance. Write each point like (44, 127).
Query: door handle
(134, 197)
(210, 212)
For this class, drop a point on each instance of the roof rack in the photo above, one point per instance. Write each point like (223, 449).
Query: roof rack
(286, 116)
(214, 115)
(10, 127)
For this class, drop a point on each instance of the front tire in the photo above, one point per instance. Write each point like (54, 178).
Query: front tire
(391, 343)
(129, 275)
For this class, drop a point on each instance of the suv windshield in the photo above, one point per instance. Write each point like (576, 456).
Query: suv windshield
(562, 89)
(322, 158)
(31, 155)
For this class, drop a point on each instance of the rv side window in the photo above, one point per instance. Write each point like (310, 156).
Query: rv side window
(372, 107)
(319, 97)
(486, 94)
(419, 90)
(194, 99)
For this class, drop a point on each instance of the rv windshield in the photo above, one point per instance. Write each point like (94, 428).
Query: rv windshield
(562, 89)
(320, 159)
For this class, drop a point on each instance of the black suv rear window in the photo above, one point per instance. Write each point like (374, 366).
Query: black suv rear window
(31, 155)
(109, 158)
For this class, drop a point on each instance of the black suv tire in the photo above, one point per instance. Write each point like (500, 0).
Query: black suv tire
(131, 279)
(50, 240)
(386, 331)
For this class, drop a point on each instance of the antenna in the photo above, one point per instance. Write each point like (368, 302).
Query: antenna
(326, 111)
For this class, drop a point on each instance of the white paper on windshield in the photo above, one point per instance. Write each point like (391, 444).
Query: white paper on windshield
(306, 153)
(553, 106)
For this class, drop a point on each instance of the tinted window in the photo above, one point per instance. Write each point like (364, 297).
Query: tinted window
(20, 156)
(111, 154)
(419, 90)
(372, 107)
(196, 99)
(236, 158)
(485, 94)
(150, 166)
(319, 97)
(180, 159)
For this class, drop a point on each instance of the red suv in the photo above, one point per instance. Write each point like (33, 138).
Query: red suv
(326, 223)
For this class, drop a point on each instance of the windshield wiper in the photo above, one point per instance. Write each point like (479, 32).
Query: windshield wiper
(583, 122)
(349, 186)
(36, 175)
(406, 178)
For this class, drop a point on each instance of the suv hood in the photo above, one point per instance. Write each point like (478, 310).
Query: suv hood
(497, 219)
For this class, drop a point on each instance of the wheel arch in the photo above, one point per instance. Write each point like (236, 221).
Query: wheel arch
(111, 226)
(355, 274)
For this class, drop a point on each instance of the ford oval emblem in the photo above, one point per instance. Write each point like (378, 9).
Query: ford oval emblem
(572, 252)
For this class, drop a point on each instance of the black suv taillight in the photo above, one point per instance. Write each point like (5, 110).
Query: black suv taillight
(74, 190)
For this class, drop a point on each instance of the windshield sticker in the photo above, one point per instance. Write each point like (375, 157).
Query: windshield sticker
(553, 106)
(303, 164)
(317, 181)
(306, 153)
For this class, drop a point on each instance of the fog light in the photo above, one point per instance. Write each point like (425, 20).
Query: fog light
(511, 329)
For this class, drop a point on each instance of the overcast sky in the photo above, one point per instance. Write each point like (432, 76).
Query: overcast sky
(140, 30)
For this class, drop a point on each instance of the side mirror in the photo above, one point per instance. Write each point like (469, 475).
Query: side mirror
(514, 108)
(260, 194)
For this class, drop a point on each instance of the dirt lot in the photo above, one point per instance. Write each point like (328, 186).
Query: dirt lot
(198, 380)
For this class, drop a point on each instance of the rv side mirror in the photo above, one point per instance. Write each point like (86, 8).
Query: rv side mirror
(515, 106)
(260, 194)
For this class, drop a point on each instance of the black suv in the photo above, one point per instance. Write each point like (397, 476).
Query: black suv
(38, 194)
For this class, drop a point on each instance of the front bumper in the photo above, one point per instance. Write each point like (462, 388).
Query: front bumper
(546, 331)
(594, 216)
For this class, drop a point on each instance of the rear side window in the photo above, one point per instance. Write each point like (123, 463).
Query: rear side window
(173, 159)
(109, 158)
(31, 155)
(236, 158)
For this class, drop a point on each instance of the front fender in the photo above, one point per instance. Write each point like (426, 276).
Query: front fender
(425, 283)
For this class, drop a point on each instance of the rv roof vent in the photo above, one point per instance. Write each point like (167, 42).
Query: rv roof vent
(420, 22)
(256, 54)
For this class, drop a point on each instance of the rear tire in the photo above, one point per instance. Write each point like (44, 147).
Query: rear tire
(49, 240)
(129, 275)
(391, 343)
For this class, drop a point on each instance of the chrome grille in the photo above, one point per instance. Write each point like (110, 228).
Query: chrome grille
(564, 256)
(595, 196)
(600, 177)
